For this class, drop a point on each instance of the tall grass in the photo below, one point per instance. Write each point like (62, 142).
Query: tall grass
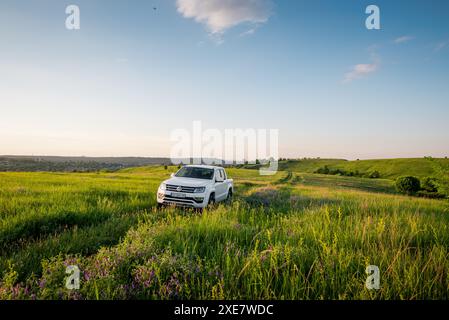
(281, 239)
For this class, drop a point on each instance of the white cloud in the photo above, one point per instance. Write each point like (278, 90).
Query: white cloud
(220, 15)
(403, 39)
(360, 71)
(440, 46)
(248, 32)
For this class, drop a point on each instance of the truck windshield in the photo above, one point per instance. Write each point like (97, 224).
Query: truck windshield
(195, 172)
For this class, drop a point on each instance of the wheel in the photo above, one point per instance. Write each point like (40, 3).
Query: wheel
(159, 205)
(211, 202)
(229, 197)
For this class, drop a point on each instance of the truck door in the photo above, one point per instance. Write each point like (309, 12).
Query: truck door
(220, 185)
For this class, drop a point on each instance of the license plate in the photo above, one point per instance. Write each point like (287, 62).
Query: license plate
(178, 195)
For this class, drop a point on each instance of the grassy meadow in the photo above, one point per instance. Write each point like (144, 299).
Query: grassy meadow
(294, 235)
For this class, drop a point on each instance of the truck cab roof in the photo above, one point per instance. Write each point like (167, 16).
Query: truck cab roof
(204, 166)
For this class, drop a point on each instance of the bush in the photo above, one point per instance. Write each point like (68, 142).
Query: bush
(323, 170)
(429, 184)
(408, 185)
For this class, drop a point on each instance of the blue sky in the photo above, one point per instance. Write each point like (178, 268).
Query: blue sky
(132, 74)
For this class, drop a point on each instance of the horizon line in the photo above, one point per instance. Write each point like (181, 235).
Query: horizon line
(166, 157)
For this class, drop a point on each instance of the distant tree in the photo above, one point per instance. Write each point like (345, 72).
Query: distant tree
(165, 167)
(257, 161)
(408, 185)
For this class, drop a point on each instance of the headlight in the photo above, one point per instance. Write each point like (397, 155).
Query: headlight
(163, 186)
(199, 190)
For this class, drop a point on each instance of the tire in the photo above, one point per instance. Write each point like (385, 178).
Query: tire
(159, 205)
(211, 201)
(229, 196)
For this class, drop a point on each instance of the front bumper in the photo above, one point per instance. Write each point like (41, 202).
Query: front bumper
(191, 200)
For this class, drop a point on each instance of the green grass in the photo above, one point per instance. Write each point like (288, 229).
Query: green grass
(288, 236)
(37, 209)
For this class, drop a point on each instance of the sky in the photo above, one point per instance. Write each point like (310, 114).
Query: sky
(137, 70)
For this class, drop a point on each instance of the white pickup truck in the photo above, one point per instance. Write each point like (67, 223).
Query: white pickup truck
(196, 186)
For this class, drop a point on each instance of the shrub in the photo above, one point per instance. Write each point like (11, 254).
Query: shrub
(323, 170)
(429, 184)
(408, 185)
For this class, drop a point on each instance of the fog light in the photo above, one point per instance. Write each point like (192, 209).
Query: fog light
(160, 195)
(199, 199)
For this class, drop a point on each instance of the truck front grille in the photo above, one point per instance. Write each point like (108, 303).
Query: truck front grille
(171, 187)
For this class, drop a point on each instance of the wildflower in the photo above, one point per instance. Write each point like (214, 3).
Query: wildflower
(42, 283)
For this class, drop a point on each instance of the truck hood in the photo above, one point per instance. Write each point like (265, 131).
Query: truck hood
(188, 182)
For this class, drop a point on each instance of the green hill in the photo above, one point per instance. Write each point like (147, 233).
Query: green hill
(388, 168)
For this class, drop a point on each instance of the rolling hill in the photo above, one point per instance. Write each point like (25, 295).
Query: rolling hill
(388, 168)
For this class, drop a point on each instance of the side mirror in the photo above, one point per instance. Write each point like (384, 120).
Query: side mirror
(217, 179)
